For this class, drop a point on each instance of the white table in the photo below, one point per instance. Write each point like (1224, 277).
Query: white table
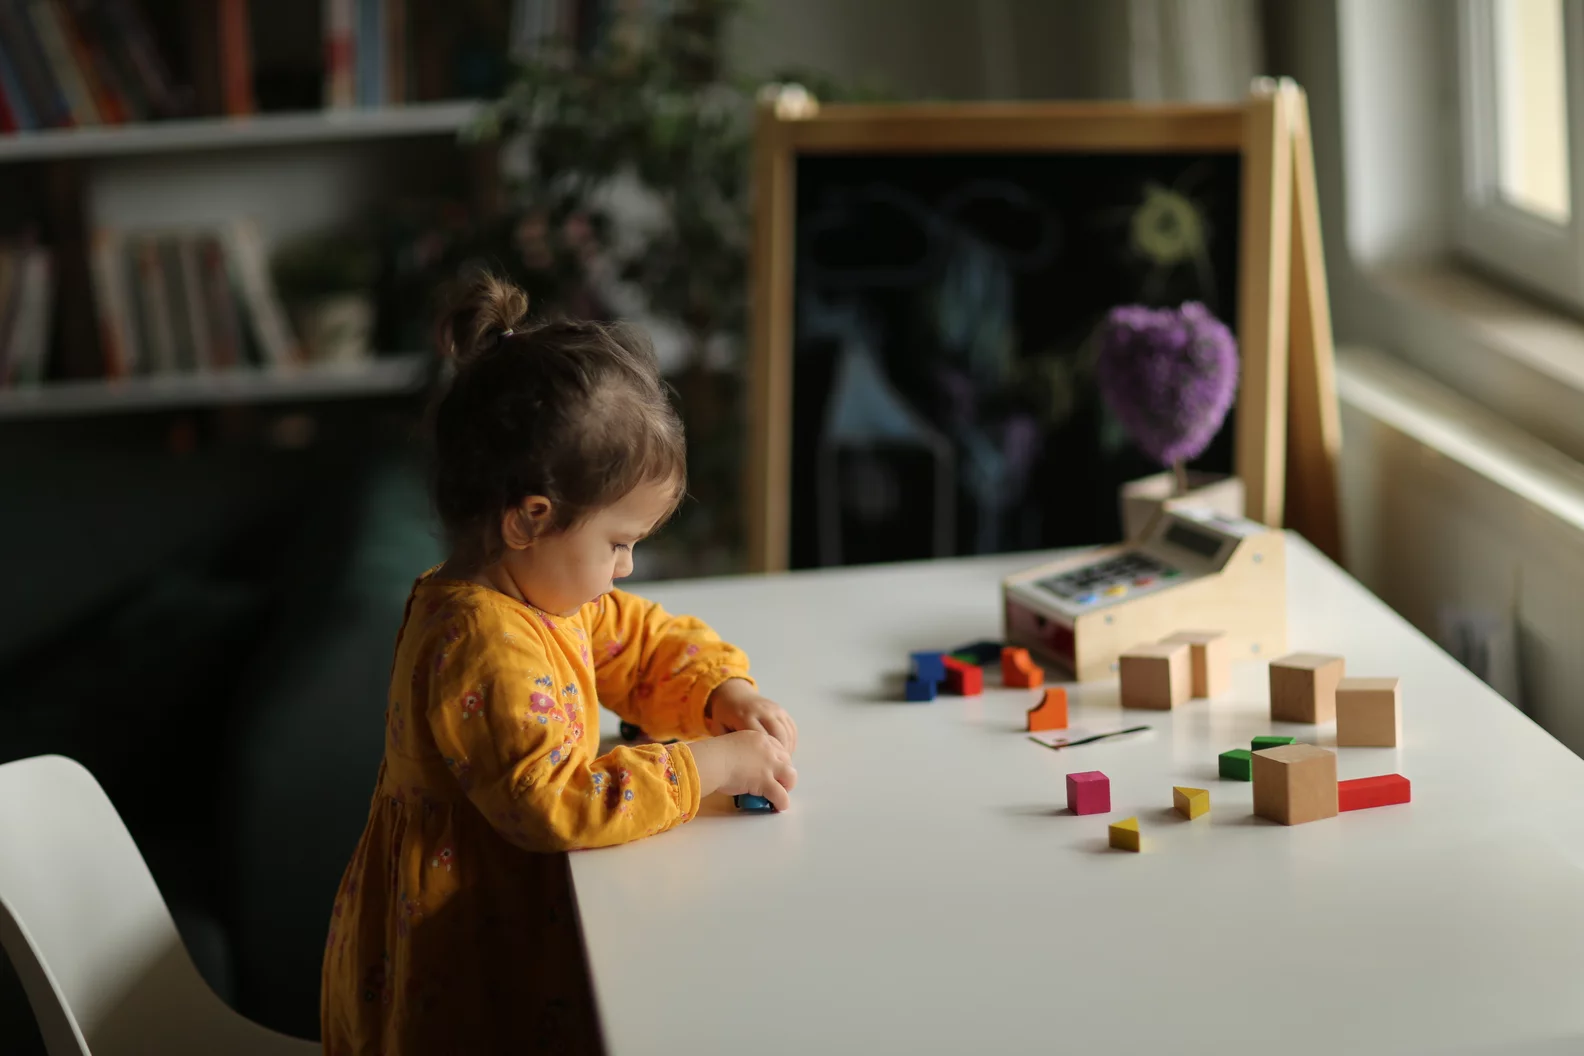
(929, 894)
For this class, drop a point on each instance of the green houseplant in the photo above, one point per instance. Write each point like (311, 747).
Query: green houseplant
(626, 194)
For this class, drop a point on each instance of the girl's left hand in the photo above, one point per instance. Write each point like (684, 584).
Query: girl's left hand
(736, 705)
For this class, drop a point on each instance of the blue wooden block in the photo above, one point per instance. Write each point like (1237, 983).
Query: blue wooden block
(929, 667)
(754, 803)
(918, 689)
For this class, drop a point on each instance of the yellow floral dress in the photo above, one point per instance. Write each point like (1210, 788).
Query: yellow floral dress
(453, 930)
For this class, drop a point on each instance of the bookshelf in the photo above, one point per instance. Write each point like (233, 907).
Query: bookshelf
(171, 121)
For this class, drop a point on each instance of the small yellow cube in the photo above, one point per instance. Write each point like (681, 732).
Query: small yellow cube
(1190, 802)
(1125, 835)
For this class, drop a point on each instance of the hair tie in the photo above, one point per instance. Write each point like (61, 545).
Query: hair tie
(507, 332)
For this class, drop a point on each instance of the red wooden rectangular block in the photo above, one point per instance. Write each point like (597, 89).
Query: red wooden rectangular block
(1364, 792)
(963, 678)
(1089, 793)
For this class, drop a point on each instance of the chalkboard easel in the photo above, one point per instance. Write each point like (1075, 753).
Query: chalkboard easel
(1286, 440)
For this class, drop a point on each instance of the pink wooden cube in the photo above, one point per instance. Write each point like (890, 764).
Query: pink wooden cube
(1089, 793)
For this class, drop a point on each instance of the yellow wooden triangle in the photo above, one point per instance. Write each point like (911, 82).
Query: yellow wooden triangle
(1190, 792)
(1127, 824)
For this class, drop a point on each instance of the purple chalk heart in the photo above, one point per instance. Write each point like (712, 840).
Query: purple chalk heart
(1169, 375)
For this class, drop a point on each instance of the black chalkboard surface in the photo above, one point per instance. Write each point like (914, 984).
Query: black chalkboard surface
(943, 307)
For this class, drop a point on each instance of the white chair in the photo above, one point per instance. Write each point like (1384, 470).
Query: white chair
(90, 935)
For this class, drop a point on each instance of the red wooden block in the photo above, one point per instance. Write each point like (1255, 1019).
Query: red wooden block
(1364, 792)
(1018, 671)
(963, 678)
(1050, 713)
(1089, 793)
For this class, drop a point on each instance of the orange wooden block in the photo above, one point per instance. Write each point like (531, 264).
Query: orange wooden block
(1050, 713)
(1018, 671)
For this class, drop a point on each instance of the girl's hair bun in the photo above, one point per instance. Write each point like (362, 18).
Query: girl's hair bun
(483, 310)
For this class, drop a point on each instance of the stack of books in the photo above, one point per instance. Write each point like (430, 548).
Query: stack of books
(27, 293)
(189, 300)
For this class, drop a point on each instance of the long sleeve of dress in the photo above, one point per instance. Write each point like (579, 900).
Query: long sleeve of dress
(505, 711)
(655, 669)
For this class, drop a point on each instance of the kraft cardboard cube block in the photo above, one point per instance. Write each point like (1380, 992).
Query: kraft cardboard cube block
(1369, 713)
(1303, 687)
(1210, 658)
(1295, 784)
(1089, 793)
(1156, 675)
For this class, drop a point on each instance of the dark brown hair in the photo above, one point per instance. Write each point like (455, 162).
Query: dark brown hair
(574, 411)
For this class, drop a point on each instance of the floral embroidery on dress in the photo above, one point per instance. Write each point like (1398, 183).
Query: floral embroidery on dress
(376, 981)
(547, 621)
(411, 913)
(545, 708)
(570, 689)
(614, 647)
(544, 681)
(459, 768)
(670, 771)
(472, 704)
(687, 654)
(442, 857)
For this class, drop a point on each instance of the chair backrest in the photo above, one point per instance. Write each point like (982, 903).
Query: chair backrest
(88, 931)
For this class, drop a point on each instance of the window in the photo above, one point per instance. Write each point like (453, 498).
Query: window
(1522, 116)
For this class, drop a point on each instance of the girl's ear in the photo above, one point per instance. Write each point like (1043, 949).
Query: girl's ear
(525, 522)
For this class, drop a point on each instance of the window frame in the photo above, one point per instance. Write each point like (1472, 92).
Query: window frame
(1544, 256)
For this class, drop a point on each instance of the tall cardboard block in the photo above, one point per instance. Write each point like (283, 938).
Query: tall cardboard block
(1303, 687)
(1210, 657)
(1369, 713)
(1156, 675)
(1295, 783)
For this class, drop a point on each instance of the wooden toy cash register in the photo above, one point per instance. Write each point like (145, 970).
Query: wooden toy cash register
(1191, 570)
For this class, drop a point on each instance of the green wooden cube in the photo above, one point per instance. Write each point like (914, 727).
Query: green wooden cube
(1238, 764)
(1269, 740)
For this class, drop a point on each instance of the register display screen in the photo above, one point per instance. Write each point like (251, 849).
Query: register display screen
(1180, 534)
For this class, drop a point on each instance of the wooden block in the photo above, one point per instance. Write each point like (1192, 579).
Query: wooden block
(963, 678)
(1018, 671)
(1050, 713)
(1269, 740)
(1191, 802)
(1089, 793)
(752, 803)
(929, 666)
(1125, 835)
(1156, 675)
(1369, 713)
(919, 691)
(978, 653)
(1295, 783)
(1362, 793)
(1303, 687)
(1210, 659)
(1237, 765)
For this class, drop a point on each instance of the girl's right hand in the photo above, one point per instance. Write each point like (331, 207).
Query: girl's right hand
(747, 762)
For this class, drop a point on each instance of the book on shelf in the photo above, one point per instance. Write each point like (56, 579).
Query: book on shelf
(188, 300)
(27, 292)
(80, 63)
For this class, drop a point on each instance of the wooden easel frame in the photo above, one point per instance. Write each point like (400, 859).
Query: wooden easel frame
(1288, 424)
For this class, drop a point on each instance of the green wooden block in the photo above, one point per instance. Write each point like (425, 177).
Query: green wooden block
(1270, 740)
(1238, 764)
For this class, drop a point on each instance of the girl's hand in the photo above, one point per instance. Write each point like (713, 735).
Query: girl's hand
(746, 762)
(736, 705)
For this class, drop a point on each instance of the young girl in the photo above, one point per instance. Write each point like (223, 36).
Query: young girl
(557, 451)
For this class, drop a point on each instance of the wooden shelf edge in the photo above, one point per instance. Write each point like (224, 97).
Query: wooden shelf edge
(223, 133)
(385, 376)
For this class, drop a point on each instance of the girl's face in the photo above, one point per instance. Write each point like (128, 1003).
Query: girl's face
(562, 572)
